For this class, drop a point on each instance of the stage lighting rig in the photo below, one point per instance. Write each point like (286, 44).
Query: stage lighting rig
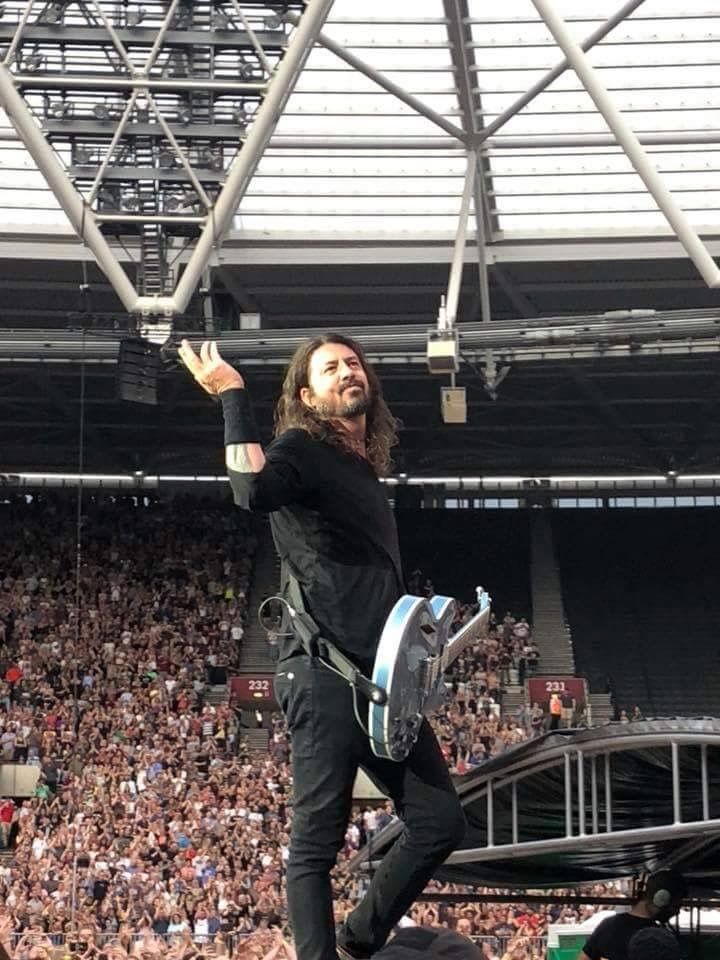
(135, 152)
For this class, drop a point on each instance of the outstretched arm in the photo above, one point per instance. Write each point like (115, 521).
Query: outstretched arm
(258, 482)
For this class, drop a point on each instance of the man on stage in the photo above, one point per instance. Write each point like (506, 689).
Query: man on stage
(335, 533)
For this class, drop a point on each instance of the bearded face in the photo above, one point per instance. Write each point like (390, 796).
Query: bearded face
(338, 387)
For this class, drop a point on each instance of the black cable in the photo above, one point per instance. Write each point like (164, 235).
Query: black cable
(78, 542)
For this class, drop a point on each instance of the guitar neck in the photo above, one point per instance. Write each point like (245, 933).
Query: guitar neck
(474, 629)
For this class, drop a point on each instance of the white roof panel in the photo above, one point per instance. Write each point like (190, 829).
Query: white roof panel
(658, 66)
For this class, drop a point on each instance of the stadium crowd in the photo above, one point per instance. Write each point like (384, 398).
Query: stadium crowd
(152, 829)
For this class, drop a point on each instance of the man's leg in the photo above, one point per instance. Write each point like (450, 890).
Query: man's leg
(425, 799)
(318, 707)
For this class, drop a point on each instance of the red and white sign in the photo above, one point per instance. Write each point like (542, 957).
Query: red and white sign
(541, 688)
(252, 688)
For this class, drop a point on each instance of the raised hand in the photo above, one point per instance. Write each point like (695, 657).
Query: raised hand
(6, 931)
(209, 369)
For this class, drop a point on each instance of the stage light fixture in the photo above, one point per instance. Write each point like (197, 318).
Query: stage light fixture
(61, 110)
(240, 115)
(53, 14)
(108, 200)
(220, 21)
(136, 17)
(181, 202)
(183, 18)
(82, 156)
(185, 116)
(247, 71)
(273, 22)
(130, 202)
(101, 112)
(166, 159)
(212, 159)
(142, 111)
(33, 62)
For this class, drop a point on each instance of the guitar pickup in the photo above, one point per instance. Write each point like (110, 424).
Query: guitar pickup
(428, 669)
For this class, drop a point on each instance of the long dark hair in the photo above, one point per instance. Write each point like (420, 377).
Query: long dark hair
(292, 413)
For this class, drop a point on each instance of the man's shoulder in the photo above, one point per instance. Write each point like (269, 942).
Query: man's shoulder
(294, 437)
(619, 925)
(294, 445)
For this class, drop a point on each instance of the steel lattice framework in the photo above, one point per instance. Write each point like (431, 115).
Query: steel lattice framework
(149, 121)
(256, 170)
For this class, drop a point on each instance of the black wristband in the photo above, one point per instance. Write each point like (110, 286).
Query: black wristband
(240, 425)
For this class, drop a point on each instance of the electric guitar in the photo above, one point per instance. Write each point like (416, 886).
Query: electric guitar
(414, 652)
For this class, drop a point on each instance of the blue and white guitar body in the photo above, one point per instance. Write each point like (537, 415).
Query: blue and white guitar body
(414, 651)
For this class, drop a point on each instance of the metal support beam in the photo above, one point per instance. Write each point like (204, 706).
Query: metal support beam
(561, 844)
(68, 197)
(458, 260)
(241, 172)
(537, 88)
(627, 139)
(407, 343)
(481, 221)
(64, 82)
(382, 81)
(460, 37)
(657, 459)
(242, 297)
(91, 35)
(486, 219)
(558, 141)
(514, 294)
(214, 228)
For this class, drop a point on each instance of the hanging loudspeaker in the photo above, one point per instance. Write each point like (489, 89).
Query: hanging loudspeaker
(138, 366)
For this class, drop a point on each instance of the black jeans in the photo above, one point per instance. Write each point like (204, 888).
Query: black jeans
(328, 746)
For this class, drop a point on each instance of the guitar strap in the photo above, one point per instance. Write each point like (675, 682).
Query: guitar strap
(302, 627)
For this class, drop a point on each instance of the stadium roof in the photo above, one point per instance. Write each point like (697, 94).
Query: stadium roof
(348, 159)
(403, 118)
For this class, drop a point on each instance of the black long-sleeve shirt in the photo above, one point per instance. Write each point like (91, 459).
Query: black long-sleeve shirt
(335, 532)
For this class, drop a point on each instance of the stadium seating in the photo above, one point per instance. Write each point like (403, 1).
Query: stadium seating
(640, 590)
(459, 549)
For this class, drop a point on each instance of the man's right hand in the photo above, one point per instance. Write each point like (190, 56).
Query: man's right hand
(209, 369)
